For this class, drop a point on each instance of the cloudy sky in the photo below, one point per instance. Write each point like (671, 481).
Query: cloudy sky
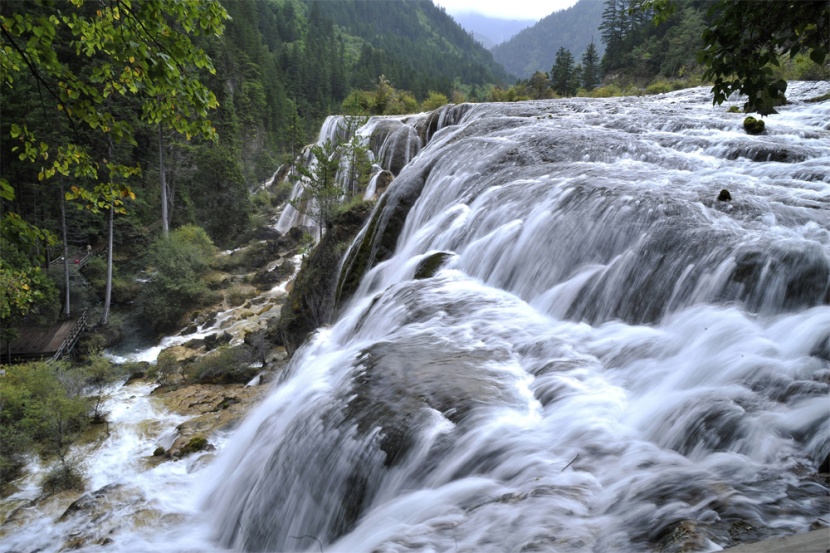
(506, 9)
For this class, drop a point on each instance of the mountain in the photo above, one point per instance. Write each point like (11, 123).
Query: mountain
(534, 49)
(490, 31)
(414, 43)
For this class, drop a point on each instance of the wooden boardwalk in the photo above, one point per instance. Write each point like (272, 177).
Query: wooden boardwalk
(44, 342)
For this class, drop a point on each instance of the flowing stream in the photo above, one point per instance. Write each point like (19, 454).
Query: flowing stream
(602, 356)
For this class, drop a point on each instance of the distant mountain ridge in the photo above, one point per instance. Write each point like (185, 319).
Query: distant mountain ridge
(534, 49)
(490, 31)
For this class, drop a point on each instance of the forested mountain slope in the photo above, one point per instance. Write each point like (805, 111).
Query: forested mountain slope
(534, 49)
(415, 44)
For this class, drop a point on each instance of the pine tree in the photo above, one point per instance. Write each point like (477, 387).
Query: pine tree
(590, 68)
(562, 73)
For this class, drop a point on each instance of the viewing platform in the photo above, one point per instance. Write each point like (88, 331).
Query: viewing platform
(36, 343)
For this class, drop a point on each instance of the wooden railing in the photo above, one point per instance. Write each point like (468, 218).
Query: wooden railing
(72, 337)
(81, 261)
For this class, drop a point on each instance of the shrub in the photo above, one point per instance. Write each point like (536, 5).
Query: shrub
(179, 261)
(166, 367)
(434, 101)
(41, 408)
(659, 87)
(65, 476)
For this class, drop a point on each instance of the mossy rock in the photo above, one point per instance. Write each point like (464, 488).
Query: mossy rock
(312, 301)
(754, 126)
(431, 265)
(197, 443)
(378, 243)
(225, 365)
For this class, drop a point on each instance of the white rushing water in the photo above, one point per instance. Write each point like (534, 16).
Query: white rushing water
(609, 359)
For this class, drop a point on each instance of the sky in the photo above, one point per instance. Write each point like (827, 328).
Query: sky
(506, 9)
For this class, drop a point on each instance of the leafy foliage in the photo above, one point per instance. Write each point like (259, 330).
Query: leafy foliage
(142, 49)
(178, 262)
(744, 41)
(40, 403)
(738, 46)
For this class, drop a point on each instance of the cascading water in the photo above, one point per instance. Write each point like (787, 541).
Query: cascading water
(574, 346)
(609, 359)
(392, 141)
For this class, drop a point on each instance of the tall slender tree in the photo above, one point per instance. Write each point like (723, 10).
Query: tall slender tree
(562, 73)
(590, 68)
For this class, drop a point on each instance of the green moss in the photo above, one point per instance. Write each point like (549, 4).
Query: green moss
(356, 264)
(754, 126)
(196, 443)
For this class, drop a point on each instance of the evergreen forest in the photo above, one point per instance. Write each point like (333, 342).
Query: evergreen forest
(150, 116)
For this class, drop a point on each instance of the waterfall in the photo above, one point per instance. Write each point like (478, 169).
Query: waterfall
(391, 142)
(575, 345)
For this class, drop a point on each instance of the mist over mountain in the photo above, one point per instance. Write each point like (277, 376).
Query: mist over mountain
(534, 49)
(490, 31)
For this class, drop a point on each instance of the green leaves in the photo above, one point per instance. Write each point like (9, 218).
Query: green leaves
(746, 38)
(142, 50)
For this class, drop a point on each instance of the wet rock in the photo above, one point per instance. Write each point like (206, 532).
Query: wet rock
(822, 349)
(212, 407)
(139, 371)
(177, 354)
(267, 278)
(267, 233)
(90, 501)
(194, 344)
(431, 265)
(772, 275)
(754, 126)
(724, 196)
(215, 340)
(312, 300)
(384, 179)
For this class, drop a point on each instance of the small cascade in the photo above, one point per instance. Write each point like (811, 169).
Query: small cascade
(391, 142)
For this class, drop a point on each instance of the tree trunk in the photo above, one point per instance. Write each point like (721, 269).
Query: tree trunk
(165, 221)
(66, 310)
(108, 294)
